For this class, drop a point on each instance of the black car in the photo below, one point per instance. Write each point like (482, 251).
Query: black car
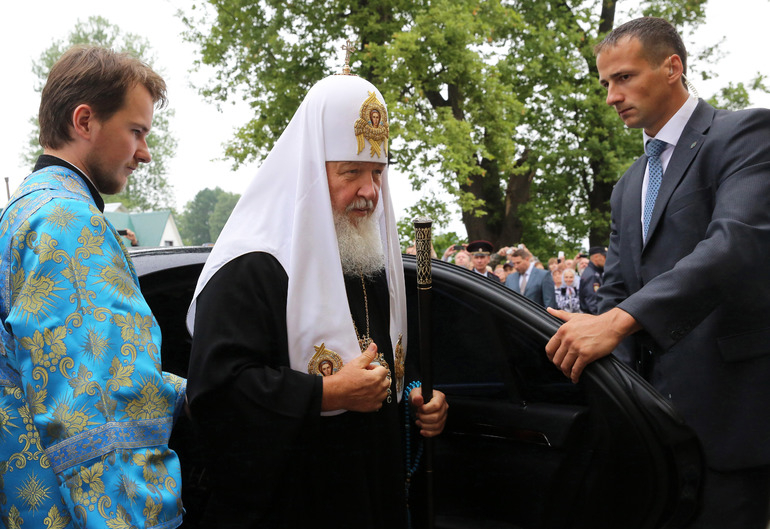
(523, 447)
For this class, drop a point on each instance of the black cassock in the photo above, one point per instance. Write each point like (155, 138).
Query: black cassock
(273, 460)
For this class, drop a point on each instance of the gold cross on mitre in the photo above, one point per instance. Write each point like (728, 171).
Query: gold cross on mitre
(348, 49)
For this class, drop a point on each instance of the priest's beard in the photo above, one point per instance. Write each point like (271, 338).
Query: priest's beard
(359, 243)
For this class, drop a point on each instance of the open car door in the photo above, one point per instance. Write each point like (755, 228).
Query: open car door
(524, 447)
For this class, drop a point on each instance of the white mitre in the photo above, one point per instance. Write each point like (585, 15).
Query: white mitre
(286, 211)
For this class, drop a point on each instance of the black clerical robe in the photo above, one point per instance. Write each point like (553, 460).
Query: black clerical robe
(273, 460)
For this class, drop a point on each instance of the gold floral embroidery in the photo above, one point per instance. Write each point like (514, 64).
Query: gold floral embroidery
(46, 349)
(71, 184)
(17, 282)
(151, 511)
(127, 488)
(86, 485)
(21, 235)
(36, 400)
(61, 217)
(95, 344)
(56, 519)
(46, 248)
(150, 405)
(32, 492)
(91, 243)
(5, 421)
(67, 422)
(153, 467)
(14, 520)
(121, 375)
(122, 520)
(134, 328)
(36, 295)
(80, 383)
(118, 278)
(31, 435)
(76, 273)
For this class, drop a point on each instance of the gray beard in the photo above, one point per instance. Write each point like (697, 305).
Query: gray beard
(360, 246)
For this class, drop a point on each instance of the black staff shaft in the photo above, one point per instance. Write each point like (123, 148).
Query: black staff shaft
(423, 245)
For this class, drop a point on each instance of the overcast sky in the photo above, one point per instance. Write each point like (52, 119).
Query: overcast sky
(29, 28)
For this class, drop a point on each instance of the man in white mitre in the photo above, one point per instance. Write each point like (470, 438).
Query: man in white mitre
(291, 442)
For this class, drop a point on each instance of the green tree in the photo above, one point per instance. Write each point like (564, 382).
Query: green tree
(222, 209)
(205, 215)
(495, 102)
(147, 187)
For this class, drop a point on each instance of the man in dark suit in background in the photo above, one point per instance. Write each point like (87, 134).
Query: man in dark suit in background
(690, 231)
(532, 282)
(591, 280)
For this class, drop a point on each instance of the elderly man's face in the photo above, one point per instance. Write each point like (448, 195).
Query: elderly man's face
(480, 262)
(463, 259)
(354, 187)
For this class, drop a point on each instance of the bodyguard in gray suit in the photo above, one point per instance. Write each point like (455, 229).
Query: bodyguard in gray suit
(538, 284)
(690, 232)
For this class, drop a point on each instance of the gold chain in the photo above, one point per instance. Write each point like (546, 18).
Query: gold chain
(364, 342)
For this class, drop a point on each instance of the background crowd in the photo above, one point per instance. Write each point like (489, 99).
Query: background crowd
(568, 284)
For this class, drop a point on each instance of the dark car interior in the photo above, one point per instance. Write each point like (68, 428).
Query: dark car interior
(523, 446)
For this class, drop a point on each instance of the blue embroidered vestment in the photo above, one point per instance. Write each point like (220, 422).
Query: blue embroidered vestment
(85, 410)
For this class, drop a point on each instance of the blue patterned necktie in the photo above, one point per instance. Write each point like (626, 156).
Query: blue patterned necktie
(655, 177)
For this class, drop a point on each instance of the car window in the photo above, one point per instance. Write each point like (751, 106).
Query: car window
(480, 353)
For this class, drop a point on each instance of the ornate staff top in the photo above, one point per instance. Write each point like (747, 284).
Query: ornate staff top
(423, 242)
(348, 49)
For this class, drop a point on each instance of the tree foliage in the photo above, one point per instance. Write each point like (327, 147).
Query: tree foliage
(496, 103)
(205, 215)
(147, 187)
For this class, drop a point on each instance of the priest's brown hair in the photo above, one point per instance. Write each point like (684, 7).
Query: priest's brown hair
(93, 76)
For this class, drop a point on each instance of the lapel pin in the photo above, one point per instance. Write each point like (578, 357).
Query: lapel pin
(693, 144)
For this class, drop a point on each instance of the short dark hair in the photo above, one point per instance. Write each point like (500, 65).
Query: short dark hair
(94, 76)
(658, 37)
(522, 253)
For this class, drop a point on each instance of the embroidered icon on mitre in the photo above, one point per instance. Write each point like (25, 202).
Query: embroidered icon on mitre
(324, 362)
(373, 126)
(400, 356)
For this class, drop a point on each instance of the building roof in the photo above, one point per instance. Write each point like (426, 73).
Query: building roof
(150, 227)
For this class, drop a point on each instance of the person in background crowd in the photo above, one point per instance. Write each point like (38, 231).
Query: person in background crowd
(556, 277)
(567, 298)
(452, 250)
(553, 264)
(463, 259)
(592, 279)
(582, 263)
(534, 283)
(481, 252)
(501, 272)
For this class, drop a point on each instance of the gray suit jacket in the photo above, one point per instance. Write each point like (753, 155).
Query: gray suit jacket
(696, 285)
(539, 289)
